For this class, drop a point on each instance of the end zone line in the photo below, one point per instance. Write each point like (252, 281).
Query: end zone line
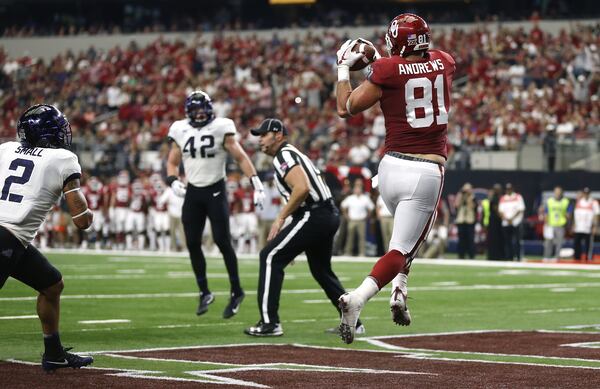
(435, 261)
(422, 352)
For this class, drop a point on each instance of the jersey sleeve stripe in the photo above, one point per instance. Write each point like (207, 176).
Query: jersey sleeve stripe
(74, 176)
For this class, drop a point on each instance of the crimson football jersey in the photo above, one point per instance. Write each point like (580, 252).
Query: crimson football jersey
(95, 199)
(245, 199)
(415, 101)
(156, 194)
(138, 202)
(122, 195)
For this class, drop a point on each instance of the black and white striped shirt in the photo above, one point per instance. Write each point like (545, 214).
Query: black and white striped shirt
(286, 158)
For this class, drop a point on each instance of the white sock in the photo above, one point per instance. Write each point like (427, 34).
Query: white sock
(152, 235)
(241, 244)
(367, 289)
(400, 281)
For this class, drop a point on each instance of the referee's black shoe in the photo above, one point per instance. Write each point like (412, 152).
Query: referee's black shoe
(67, 359)
(264, 329)
(234, 305)
(205, 301)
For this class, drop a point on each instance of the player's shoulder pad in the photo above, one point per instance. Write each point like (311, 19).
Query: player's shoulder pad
(444, 55)
(66, 162)
(8, 145)
(224, 125)
(66, 155)
(177, 127)
(381, 69)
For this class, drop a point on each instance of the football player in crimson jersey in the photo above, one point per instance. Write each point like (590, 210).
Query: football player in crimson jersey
(119, 207)
(412, 86)
(96, 195)
(158, 216)
(245, 218)
(135, 224)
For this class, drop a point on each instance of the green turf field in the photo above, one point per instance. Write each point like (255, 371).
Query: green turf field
(152, 301)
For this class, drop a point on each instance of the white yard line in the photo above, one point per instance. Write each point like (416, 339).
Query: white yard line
(108, 321)
(131, 271)
(319, 301)
(18, 317)
(582, 326)
(563, 290)
(439, 261)
(149, 295)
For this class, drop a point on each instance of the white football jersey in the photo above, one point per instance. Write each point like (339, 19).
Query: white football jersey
(204, 156)
(31, 182)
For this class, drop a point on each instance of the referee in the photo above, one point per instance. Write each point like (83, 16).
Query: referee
(315, 220)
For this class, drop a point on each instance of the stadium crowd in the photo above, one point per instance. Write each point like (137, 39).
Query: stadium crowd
(144, 213)
(24, 19)
(514, 87)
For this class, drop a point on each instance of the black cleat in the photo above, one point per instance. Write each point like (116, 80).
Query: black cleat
(234, 305)
(205, 301)
(264, 329)
(66, 360)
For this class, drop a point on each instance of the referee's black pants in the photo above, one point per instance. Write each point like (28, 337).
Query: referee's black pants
(311, 231)
(200, 203)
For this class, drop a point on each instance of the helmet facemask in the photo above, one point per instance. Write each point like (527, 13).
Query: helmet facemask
(199, 109)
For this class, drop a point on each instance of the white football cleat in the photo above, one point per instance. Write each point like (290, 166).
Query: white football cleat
(350, 306)
(400, 312)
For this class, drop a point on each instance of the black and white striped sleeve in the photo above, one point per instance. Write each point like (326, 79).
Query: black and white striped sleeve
(284, 162)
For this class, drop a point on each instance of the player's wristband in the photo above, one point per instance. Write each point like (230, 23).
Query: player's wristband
(171, 179)
(256, 183)
(343, 73)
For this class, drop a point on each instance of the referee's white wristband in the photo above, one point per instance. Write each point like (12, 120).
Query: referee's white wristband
(343, 73)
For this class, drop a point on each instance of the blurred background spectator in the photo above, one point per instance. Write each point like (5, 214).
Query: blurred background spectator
(466, 216)
(556, 216)
(511, 209)
(492, 222)
(356, 209)
(585, 223)
(517, 86)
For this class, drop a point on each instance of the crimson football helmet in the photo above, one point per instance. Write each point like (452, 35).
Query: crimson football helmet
(94, 184)
(123, 178)
(407, 34)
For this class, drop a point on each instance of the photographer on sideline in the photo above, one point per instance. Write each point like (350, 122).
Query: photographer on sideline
(466, 215)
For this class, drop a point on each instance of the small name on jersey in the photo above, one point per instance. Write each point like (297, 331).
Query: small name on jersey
(421, 67)
(35, 152)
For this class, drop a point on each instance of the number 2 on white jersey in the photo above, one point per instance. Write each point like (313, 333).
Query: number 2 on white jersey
(425, 102)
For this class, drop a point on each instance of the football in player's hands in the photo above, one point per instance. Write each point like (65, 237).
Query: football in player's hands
(369, 51)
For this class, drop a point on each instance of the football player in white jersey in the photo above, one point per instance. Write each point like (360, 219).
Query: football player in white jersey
(34, 174)
(203, 141)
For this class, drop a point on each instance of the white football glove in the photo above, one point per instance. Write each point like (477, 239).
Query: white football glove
(259, 192)
(345, 55)
(178, 188)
